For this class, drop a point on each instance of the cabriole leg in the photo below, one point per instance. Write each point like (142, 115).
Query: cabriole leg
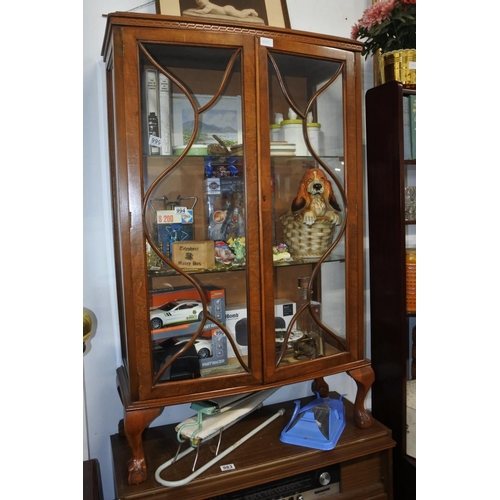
(364, 378)
(135, 423)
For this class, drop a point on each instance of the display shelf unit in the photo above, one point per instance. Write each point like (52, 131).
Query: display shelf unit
(230, 81)
(389, 237)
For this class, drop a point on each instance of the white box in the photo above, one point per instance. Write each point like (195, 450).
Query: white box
(285, 309)
(236, 322)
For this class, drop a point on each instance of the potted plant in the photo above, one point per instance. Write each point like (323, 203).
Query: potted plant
(388, 28)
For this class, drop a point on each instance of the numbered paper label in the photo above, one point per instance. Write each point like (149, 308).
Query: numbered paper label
(180, 215)
(267, 42)
(227, 467)
(155, 141)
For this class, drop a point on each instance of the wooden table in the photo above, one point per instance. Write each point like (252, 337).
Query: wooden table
(364, 456)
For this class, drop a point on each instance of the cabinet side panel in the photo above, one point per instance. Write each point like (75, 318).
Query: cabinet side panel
(114, 90)
(389, 321)
(387, 247)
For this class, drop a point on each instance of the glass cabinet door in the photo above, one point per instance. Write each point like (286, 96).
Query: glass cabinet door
(240, 223)
(195, 205)
(313, 222)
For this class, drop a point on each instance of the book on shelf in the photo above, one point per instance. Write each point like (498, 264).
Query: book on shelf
(413, 127)
(406, 128)
(151, 123)
(165, 110)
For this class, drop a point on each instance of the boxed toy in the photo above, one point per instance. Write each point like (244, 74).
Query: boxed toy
(212, 293)
(217, 354)
(236, 322)
(223, 166)
(225, 200)
(182, 317)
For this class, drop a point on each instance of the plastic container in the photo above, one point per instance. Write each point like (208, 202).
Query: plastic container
(411, 280)
(275, 131)
(313, 134)
(292, 132)
(317, 425)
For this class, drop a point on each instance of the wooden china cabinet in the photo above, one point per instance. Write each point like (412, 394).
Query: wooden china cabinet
(203, 207)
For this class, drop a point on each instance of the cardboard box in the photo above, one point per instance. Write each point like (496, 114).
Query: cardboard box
(236, 322)
(223, 166)
(181, 330)
(285, 309)
(190, 255)
(224, 187)
(226, 208)
(215, 296)
(219, 350)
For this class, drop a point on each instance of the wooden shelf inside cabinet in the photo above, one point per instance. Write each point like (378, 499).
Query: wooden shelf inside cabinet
(364, 458)
(390, 322)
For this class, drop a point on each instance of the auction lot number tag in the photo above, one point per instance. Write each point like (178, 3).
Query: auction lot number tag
(227, 467)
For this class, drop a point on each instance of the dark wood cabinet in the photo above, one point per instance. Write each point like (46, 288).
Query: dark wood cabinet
(204, 217)
(389, 173)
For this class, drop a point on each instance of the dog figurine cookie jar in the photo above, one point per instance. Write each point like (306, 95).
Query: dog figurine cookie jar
(310, 224)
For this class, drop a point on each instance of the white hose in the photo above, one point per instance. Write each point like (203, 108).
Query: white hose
(186, 480)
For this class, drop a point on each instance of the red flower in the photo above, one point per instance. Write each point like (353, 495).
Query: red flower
(377, 13)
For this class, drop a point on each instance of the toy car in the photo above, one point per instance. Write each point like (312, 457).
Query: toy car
(176, 311)
(203, 346)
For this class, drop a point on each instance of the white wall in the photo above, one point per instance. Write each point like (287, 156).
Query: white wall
(104, 409)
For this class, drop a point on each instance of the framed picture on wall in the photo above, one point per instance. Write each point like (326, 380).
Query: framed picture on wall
(259, 12)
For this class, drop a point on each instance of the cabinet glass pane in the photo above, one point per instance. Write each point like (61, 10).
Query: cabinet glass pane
(309, 206)
(194, 209)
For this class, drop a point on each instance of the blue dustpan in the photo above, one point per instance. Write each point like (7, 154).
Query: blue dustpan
(318, 425)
